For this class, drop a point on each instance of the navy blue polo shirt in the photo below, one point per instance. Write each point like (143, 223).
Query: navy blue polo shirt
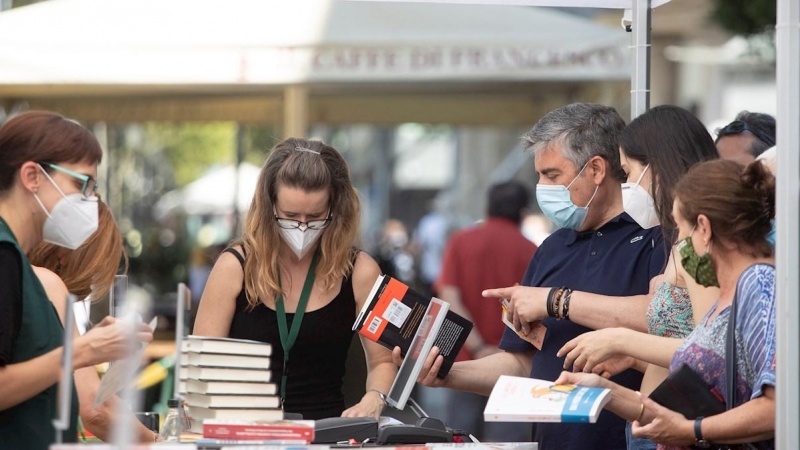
(618, 259)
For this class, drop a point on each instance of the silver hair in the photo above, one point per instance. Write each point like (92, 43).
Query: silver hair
(585, 130)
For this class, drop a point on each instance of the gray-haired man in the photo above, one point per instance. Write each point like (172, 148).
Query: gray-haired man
(599, 249)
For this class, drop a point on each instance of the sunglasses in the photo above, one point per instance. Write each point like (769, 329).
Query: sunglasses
(739, 127)
(89, 188)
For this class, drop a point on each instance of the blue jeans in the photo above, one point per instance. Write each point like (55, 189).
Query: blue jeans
(635, 443)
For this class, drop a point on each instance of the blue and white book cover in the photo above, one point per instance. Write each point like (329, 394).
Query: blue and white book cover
(519, 399)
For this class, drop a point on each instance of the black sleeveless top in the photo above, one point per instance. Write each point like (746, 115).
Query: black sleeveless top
(317, 360)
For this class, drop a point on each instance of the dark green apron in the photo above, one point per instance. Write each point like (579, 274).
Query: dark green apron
(29, 425)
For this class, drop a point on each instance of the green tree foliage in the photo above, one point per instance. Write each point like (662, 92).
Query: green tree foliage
(192, 147)
(745, 17)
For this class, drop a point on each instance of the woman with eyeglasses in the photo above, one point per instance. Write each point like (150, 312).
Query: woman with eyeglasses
(88, 272)
(48, 166)
(296, 280)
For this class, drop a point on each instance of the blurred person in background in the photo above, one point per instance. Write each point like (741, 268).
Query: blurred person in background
(537, 228)
(748, 136)
(297, 267)
(48, 167)
(394, 259)
(429, 240)
(88, 272)
(492, 253)
(723, 215)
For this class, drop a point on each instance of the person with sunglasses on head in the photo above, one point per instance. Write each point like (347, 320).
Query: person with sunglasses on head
(748, 136)
(88, 272)
(296, 281)
(48, 165)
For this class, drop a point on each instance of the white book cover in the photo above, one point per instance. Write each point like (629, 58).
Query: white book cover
(519, 399)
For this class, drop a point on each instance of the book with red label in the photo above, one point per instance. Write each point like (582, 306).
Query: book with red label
(286, 430)
(393, 312)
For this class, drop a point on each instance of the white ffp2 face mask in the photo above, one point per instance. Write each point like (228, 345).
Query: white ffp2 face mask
(639, 204)
(300, 241)
(73, 219)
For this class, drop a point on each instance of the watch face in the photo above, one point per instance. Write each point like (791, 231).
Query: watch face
(702, 443)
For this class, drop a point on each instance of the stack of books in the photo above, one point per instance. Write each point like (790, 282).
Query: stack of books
(228, 379)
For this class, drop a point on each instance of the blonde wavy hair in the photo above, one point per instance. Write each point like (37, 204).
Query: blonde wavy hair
(311, 166)
(90, 268)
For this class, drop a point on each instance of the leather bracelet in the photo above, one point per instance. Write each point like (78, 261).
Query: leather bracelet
(700, 441)
(550, 299)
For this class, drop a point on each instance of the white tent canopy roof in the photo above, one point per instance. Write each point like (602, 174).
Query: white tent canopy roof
(213, 193)
(300, 41)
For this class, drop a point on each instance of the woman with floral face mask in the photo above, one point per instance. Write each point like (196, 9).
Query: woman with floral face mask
(48, 166)
(296, 281)
(723, 216)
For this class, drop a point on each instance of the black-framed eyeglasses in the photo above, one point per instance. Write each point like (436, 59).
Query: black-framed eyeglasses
(309, 224)
(89, 188)
(739, 127)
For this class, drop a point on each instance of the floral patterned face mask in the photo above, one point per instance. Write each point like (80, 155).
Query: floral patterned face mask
(700, 268)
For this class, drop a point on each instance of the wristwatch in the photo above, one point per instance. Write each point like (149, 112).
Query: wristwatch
(700, 442)
(381, 395)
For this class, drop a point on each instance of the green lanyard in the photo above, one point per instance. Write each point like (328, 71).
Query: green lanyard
(289, 336)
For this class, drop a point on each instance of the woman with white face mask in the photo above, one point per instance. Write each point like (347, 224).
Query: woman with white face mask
(48, 166)
(296, 280)
(656, 150)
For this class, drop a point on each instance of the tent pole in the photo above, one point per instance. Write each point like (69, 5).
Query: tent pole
(295, 111)
(640, 64)
(788, 220)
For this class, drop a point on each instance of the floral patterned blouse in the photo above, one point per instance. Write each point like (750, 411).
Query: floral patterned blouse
(669, 313)
(704, 349)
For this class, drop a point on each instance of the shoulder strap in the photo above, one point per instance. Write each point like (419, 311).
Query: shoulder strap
(235, 253)
(730, 354)
(730, 359)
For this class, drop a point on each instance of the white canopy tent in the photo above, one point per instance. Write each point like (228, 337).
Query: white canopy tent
(219, 191)
(272, 58)
(201, 42)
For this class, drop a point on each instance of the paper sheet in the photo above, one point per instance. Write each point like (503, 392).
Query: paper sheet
(121, 372)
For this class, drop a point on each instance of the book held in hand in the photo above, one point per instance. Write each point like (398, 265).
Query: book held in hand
(686, 392)
(535, 335)
(519, 399)
(393, 312)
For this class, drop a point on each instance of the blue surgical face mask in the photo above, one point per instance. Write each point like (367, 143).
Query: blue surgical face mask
(771, 234)
(556, 204)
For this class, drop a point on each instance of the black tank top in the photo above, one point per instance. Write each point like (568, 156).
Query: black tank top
(317, 360)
